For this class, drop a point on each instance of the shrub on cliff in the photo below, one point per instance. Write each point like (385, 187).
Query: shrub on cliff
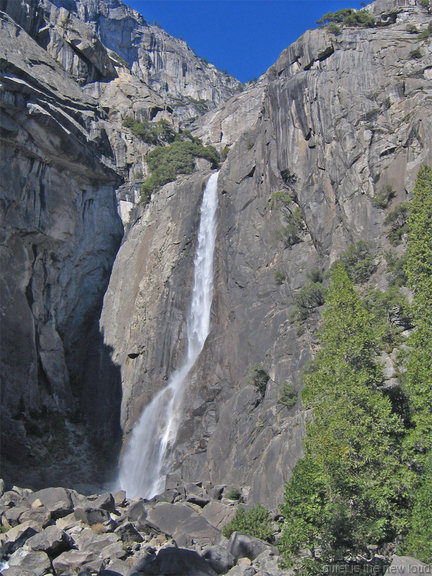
(358, 261)
(166, 162)
(258, 377)
(349, 17)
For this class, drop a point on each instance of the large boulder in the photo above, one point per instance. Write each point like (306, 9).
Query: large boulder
(56, 500)
(242, 546)
(174, 562)
(184, 524)
(407, 565)
(219, 558)
(53, 541)
(36, 562)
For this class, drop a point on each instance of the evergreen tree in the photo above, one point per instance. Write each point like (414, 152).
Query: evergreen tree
(349, 490)
(419, 371)
(419, 273)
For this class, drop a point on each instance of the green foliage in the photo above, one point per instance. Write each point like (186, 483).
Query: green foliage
(258, 377)
(383, 198)
(281, 200)
(358, 261)
(288, 394)
(166, 162)
(315, 275)
(309, 297)
(397, 220)
(349, 17)
(350, 489)
(396, 268)
(416, 54)
(419, 273)
(333, 28)
(151, 132)
(255, 522)
(411, 28)
(418, 542)
(426, 4)
(427, 33)
(291, 233)
(279, 277)
(234, 494)
(391, 313)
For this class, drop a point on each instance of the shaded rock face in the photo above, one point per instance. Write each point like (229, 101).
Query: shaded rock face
(59, 235)
(333, 122)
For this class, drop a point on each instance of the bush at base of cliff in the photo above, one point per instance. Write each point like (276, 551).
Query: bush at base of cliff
(255, 522)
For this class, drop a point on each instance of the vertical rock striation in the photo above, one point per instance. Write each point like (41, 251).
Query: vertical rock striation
(59, 234)
(334, 122)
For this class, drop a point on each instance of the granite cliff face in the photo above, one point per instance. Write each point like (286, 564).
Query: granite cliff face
(60, 233)
(335, 121)
(330, 125)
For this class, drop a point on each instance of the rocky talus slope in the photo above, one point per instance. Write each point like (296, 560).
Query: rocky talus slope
(62, 532)
(334, 123)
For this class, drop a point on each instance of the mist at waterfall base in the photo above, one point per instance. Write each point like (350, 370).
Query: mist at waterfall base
(143, 467)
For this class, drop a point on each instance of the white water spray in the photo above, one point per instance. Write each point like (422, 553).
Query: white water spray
(142, 466)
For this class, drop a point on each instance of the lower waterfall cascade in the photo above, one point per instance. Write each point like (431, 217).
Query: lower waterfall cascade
(143, 467)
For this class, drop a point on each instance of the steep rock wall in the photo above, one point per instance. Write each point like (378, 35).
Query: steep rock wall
(59, 235)
(166, 64)
(340, 118)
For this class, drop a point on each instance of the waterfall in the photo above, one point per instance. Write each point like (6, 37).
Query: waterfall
(142, 470)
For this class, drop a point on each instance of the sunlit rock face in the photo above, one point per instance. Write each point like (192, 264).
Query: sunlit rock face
(331, 124)
(334, 122)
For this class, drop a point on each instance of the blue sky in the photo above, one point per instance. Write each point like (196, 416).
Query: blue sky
(244, 37)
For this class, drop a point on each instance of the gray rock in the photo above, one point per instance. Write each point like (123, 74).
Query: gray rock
(74, 560)
(137, 514)
(218, 514)
(242, 546)
(219, 559)
(175, 562)
(52, 540)
(128, 533)
(56, 500)
(36, 562)
(184, 524)
(106, 545)
(91, 516)
(46, 237)
(119, 567)
(104, 501)
(242, 571)
(407, 565)
(17, 571)
(119, 498)
(16, 537)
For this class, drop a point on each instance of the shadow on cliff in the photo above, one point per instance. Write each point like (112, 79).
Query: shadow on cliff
(100, 404)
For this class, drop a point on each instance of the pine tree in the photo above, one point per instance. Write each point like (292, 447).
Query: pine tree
(419, 273)
(419, 371)
(349, 490)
